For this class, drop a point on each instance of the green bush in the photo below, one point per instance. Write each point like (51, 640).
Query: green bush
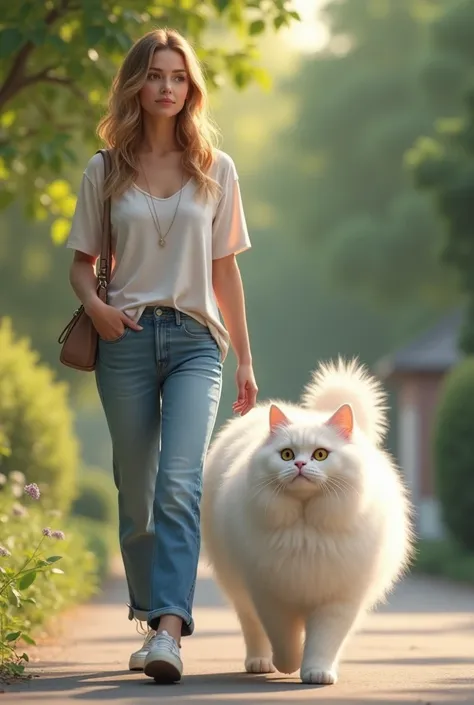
(36, 420)
(100, 539)
(454, 453)
(444, 558)
(96, 497)
(42, 571)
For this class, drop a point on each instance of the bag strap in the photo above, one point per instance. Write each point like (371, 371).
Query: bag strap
(105, 263)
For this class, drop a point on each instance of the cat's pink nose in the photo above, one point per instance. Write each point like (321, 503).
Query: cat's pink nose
(300, 464)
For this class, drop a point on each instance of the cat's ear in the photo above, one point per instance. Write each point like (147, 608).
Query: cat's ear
(343, 421)
(277, 418)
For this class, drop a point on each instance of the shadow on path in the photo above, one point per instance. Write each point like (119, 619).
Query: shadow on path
(120, 685)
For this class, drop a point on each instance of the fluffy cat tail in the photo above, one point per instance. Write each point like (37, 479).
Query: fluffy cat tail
(349, 382)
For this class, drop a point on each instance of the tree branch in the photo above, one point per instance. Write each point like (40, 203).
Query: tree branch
(16, 79)
(34, 132)
(67, 83)
(42, 75)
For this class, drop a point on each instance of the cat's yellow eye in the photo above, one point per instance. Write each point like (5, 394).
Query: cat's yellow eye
(287, 454)
(320, 454)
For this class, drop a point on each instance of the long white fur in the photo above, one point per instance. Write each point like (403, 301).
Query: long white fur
(302, 561)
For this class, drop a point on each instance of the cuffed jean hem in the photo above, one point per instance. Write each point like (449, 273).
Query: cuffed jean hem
(133, 613)
(188, 623)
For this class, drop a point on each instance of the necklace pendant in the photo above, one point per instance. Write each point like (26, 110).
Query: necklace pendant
(162, 242)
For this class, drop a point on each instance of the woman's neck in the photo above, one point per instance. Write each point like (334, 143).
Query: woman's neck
(159, 137)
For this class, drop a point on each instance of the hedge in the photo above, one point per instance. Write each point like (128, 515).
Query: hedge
(35, 421)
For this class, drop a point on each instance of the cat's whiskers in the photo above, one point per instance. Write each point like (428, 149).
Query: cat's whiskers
(290, 473)
(273, 495)
(263, 484)
(267, 483)
(341, 487)
(311, 476)
(330, 491)
(343, 484)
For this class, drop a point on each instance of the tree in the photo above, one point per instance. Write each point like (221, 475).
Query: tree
(56, 62)
(360, 104)
(443, 165)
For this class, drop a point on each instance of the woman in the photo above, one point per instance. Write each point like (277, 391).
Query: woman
(177, 225)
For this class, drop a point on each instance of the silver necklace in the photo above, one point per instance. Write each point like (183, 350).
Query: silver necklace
(154, 214)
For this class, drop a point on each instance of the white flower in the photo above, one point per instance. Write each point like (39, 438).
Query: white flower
(18, 477)
(17, 491)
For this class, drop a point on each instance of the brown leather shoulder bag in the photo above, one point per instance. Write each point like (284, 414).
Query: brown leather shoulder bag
(79, 338)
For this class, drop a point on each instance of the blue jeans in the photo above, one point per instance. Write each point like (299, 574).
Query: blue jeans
(160, 389)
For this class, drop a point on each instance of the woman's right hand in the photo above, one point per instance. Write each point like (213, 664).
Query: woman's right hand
(108, 321)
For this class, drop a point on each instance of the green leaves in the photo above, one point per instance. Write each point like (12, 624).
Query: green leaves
(27, 580)
(94, 34)
(11, 40)
(29, 588)
(15, 595)
(256, 27)
(49, 111)
(358, 113)
(453, 445)
(28, 640)
(442, 163)
(12, 636)
(20, 571)
(221, 5)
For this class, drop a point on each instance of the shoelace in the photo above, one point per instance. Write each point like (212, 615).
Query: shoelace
(144, 631)
(150, 635)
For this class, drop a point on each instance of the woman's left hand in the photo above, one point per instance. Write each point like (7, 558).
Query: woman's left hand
(247, 390)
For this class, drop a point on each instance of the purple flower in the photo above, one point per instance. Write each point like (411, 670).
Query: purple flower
(47, 532)
(33, 490)
(58, 535)
(4, 552)
(18, 510)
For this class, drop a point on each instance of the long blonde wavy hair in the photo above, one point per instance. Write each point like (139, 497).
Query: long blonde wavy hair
(121, 128)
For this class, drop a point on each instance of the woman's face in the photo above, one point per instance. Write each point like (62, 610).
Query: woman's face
(166, 86)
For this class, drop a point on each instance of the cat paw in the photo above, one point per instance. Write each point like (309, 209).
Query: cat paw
(318, 675)
(259, 664)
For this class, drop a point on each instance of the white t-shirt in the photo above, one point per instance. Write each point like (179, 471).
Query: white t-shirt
(180, 273)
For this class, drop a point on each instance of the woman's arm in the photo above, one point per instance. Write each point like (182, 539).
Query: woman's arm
(229, 291)
(108, 321)
(83, 279)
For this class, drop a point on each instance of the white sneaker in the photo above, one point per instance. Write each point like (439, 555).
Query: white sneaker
(137, 659)
(163, 661)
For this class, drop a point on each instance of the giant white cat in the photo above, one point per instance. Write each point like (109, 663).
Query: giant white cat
(306, 521)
